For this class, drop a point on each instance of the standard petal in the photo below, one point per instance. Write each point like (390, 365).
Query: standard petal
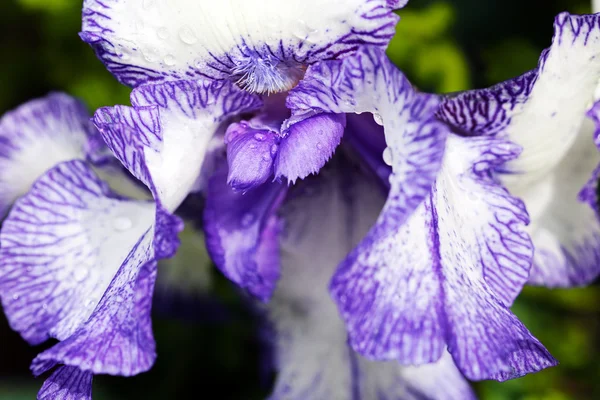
(447, 276)
(544, 112)
(369, 82)
(60, 247)
(567, 234)
(37, 136)
(307, 143)
(326, 216)
(262, 46)
(164, 137)
(67, 383)
(241, 233)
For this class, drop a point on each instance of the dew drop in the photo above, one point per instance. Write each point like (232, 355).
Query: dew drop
(151, 54)
(162, 33)
(15, 297)
(260, 137)
(319, 146)
(187, 35)
(267, 157)
(80, 274)
(247, 219)
(170, 60)
(122, 224)
(388, 157)
(274, 149)
(252, 146)
(473, 196)
(378, 119)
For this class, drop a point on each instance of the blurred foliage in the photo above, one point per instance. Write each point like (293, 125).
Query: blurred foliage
(424, 49)
(442, 46)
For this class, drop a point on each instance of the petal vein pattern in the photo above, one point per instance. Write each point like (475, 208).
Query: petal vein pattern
(544, 111)
(60, 247)
(261, 45)
(369, 82)
(445, 278)
(325, 218)
(37, 136)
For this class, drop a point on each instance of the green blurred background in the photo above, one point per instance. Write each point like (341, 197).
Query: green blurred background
(443, 46)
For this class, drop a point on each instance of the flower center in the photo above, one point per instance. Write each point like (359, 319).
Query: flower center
(267, 75)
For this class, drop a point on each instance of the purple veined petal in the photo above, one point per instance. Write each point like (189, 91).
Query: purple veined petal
(262, 46)
(250, 153)
(445, 278)
(544, 111)
(117, 339)
(369, 82)
(307, 143)
(567, 233)
(164, 137)
(67, 383)
(35, 137)
(241, 233)
(60, 247)
(326, 216)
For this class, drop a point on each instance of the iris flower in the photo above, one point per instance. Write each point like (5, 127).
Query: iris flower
(243, 101)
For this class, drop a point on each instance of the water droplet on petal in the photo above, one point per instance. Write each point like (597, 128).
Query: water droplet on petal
(252, 146)
(170, 60)
(15, 297)
(378, 119)
(319, 146)
(274, 149)
(122, 224)
(187, 35)
(247, 219)
(81, 273)
(388, 157)
(162, 33)
(267, 157)
(151, 54)
(473, 196)
(260, 137)
(45, 306)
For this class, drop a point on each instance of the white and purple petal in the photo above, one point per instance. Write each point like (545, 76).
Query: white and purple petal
(369, 82)
(60, 247)
(37, 136)
(544, 111)
(164, 137)
(326, 216)
(242, 231)
(117, 339)
(263, 46)
(446, 277)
